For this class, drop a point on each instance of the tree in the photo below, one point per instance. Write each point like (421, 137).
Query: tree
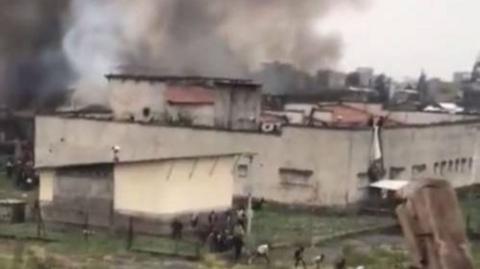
(422, 88)
(381, 85)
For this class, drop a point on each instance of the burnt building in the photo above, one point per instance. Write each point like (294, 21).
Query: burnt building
(213, 102)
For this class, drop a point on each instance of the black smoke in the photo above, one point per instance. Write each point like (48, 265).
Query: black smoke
(33, 69)
(227, 38)
(47, 46)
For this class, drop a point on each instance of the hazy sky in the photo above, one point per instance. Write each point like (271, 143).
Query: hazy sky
(402, 37)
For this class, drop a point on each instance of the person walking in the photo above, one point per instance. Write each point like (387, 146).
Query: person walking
(260, 252)
(298, 257)
(317, 260)
(238, 240)
(177, 229)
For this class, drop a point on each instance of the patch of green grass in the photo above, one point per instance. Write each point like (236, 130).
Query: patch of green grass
(274, 225)
(476, 255)
(97, 245)
(471, 211)
(378, 259)
(8, 191)
(167, 246)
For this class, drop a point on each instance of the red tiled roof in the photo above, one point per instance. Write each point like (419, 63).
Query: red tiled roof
(348, 115)
(192, 95)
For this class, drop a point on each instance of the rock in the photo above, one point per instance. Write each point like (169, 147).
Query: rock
(108, 258)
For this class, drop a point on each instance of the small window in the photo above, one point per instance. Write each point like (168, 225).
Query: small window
(146, 112)
(470, 163)
(463, 164)
(396, 172)
(436, 168)
(418, 169)
(443, 167)
(242, 170)
(457, 165)
(450, 166)
(290, 176)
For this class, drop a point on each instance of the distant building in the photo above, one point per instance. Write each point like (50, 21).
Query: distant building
(330, 79)
(462, 77)
(471, 91)
(440, 91)
(366, 76)
(476, 71)
(284, 79)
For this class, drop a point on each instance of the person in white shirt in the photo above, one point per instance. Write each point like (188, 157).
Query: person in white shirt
(261, 252)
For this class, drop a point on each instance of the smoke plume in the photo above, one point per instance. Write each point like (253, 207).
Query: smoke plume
(33, 70)
(47, 46)
(199, 37)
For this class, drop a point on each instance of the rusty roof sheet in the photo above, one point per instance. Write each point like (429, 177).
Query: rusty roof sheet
(193, 95)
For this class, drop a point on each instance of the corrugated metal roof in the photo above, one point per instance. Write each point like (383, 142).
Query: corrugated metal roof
(193, 95)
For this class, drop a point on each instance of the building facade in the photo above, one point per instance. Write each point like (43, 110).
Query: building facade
(316, 166)
(155, 191)
(214, 102)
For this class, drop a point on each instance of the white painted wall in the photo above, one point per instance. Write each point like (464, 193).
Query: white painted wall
(131, 97)
(174, 187)
(411, 117)
(46, 190)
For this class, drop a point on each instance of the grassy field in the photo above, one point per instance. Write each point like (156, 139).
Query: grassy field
(104, 251)
(7, 189)
(471, 211)
(279, 226)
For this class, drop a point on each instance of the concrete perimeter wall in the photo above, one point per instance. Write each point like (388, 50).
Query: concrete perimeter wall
(420, 117)
(310, 166)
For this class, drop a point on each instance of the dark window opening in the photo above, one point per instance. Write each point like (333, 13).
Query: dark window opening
(450, 166)
(242, 170)
(443, 167)
(418, 169)
(396, 172)
(146, 112)
(463, 165)
(295, 176)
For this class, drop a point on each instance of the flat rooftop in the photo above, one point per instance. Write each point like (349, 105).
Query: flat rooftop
(196, 80)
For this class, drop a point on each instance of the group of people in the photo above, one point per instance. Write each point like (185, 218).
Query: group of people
(220, 232)
(262, 252)
(227, 231)
(22, 172)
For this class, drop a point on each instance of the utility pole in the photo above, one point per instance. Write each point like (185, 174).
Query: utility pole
(249, 189)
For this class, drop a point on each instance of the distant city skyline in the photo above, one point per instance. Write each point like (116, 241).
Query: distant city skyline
(402, 38)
